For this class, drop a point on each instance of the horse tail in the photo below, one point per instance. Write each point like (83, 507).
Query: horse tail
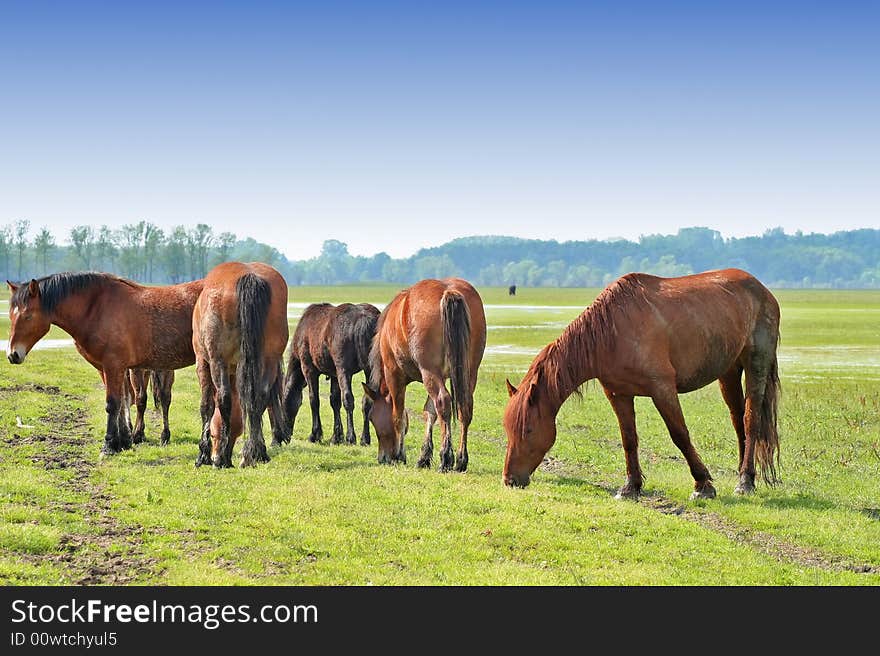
(767, 442)
(254, 296)
(456, 320)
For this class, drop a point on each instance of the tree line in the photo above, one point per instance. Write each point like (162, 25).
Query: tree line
(144, 252)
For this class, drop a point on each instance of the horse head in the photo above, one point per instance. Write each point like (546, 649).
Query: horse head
(530, 424)
(390, 430)
(28, 323)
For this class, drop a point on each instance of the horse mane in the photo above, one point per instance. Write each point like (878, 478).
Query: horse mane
(59, 286)
(566, 363)
(377, 371)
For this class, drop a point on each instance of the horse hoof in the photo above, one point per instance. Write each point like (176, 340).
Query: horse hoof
(165, 439)
(705, 492)
(315, 438)
(744, 488)
(628, 493)
(461, 464)
(423, 463)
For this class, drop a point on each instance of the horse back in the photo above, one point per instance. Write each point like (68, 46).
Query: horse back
(701, 325)
(411, 327)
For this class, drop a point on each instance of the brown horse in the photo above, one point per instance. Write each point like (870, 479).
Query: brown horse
(658, 337)
(431, 331)
(240, 332)
(116, 325)
(161, 382)
(333, 340)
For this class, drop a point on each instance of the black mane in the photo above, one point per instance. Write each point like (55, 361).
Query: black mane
(58, 286)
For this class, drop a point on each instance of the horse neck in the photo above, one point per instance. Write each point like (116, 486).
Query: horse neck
(568, 363)
(70, 314)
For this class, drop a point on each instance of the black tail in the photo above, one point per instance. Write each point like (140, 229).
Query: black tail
(254, 297)
(456, 320)
(767, 442)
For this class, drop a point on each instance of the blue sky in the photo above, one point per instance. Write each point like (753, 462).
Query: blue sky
(392, 126)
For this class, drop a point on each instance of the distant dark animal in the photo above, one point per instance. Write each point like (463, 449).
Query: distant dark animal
(511, 291)
(659, 337)
(239, 326)
(116, 325)
(431, 331)
(334, 341)
(161, 382)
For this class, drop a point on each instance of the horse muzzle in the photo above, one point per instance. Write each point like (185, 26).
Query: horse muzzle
(15, 356)
(512, 480)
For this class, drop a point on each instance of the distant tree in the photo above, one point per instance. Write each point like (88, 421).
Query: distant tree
(44, 244)
(174, 256)
(5, 248)
(153, 239)
(199, 241)
(82, 238)
(105, 248)
(21, 228)
(129, 240)
(225, 243)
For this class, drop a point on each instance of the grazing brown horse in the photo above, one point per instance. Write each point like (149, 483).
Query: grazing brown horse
(161, 382)
(431, 331)
(116, 325)
(240, 331)
(658, 337)
(334, 341)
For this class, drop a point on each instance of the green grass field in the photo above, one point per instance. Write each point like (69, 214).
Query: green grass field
(329, 515)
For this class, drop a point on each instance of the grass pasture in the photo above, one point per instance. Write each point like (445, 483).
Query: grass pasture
(329, 515)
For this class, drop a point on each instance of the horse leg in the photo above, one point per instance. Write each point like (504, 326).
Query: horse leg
(115, 396)
(366, 408)
(294, 381)
(430, 414)
(312, 377)
(344, 379)
(138, 379)
(443, 405)
(254, 450)
(756, 386)
(336, 406)
(165, 380)
(624, 409)
(666, 401)
(206, 409)
(124, 417)
(221, 453)
(397, 389)
(465, 416)
(277, 420)
(732, 393)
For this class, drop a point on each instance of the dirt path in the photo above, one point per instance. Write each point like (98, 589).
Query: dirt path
(108, 553)
(760, 541)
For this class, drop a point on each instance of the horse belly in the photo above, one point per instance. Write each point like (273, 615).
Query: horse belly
(701, 367)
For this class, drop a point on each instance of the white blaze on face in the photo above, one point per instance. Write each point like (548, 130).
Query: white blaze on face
(9, 349)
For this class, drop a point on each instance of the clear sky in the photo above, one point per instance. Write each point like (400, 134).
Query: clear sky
(396, 125)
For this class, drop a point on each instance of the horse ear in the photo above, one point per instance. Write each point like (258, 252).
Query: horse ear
(33, 288)
(369, 392)
(12, 286)
(532, 393)
(511, 390)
